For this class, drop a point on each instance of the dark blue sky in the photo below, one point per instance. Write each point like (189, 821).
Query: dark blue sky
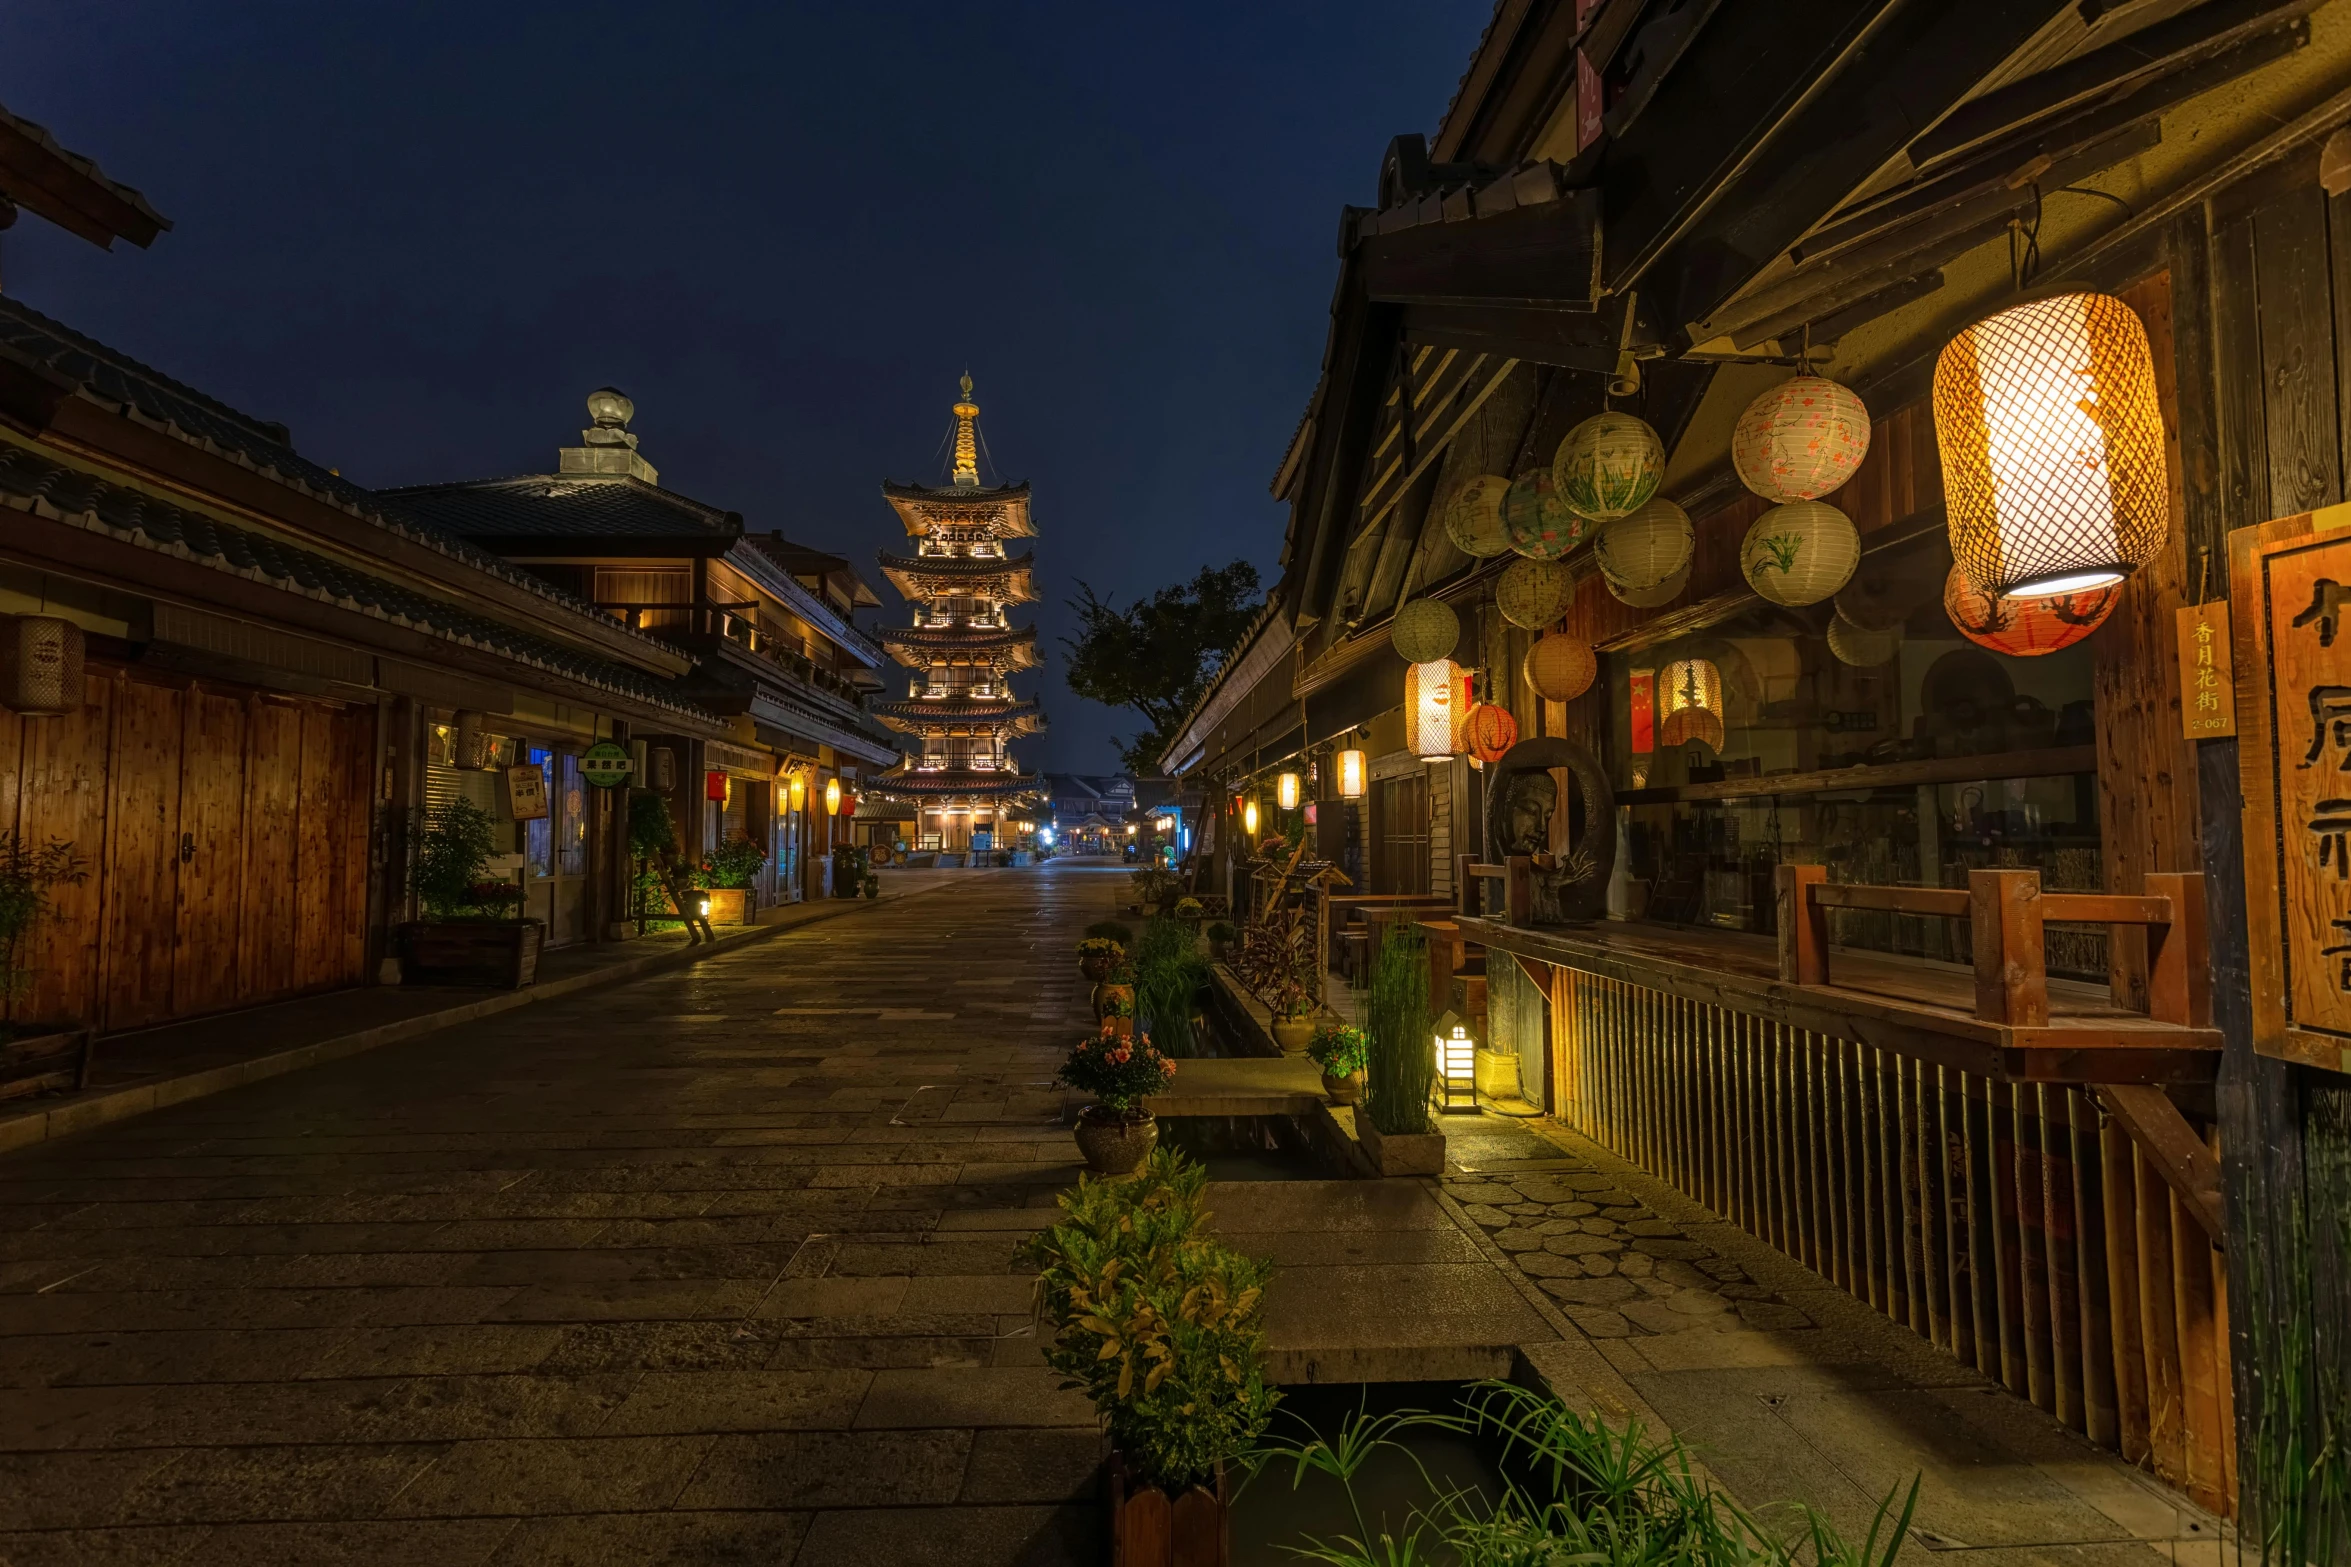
(419, 234)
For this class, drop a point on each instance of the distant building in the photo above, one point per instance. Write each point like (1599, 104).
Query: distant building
(1091, 811)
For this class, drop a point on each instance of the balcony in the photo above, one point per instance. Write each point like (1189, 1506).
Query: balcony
(699, 627)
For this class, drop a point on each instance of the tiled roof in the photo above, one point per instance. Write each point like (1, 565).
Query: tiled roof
(566, 506)
(950, 494)
(31, 483)
(978, 786)
(147, 396)
(956, 565)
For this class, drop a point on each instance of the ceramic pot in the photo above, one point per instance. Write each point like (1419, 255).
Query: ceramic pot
(1119, 1027)
(1293, 1034)
(1113, 1144)
(1343, 1090)
(1104, 993)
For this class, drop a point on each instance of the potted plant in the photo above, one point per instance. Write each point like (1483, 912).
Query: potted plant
(1292, 1005)
(472, 932)
(1400, 1063)
(36, 1056)
(1120, 1069)
(1220, 942)
(728, 875)
(1161, 1325)
(1115, 1011)
(1189, 911)
(1113, 930)
(1341, 1050)
(1097, 956)
(872, 885)
(1154, 886)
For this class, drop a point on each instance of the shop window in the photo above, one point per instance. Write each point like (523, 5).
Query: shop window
(1400, 820)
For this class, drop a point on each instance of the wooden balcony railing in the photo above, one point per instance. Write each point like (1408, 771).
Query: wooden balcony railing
(739, 624)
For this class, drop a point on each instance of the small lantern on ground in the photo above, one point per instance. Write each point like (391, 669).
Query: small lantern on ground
(1457, 1066)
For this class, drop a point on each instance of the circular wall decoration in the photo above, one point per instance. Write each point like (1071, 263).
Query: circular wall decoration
(1646, 546)
(1425, 630)
(1538, 524)
(1862, 647)
(1651, 598)
(1800, 440)
(1800, 553)
(1560, 668)
(1489, 732)
(2025, 627)
(1533, 593)
(1474, 520)
(1608, 466)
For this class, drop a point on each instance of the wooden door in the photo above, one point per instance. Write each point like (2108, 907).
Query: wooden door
(272, 921)
(206, 972)
(141, 921)
(60, 792)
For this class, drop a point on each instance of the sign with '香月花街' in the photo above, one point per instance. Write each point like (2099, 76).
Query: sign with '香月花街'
(2208, 697)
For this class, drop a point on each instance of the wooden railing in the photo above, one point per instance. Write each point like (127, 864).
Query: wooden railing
(1517, 875)
(2007, 911)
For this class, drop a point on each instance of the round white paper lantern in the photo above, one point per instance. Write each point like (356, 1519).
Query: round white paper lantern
(1642, 549)
(1425, 630)
(1608, 466)
(1862, 648)
(1540, 525)
(1533, 592)
(1800, 440)
(1800, 553)
(1651, 598)
(1560, 668)
(1474, 519)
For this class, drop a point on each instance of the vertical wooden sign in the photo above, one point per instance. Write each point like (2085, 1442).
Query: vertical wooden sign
(2290, 595)
(2208, 695)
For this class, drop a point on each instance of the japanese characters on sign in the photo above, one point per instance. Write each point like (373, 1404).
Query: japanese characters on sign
(526, 792)
(2208, 697)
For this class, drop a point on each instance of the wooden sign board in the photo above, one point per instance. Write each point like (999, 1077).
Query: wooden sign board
(2208, 695)
(526, 793)
(2290, 596)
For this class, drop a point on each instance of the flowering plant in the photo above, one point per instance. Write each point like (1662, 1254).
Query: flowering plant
(1117, 1072)
(1340, 1049)
(1290, 998)
(1118, 1004)
(494, 895)
(1188, 909)
(1101, 947)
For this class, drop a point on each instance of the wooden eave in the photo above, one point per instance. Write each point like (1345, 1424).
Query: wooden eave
(70, 190)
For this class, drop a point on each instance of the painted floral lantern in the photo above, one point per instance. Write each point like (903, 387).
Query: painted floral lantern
(1533, 593)
(1800, 440)
(1425, 630)
(1800, 553)
(1474, 519)
(1560, 668)
(1608, 466)
(2025, 627)
(1489, 732)
(1538, 523)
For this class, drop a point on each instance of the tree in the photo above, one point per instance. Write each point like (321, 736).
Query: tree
(1158, 654)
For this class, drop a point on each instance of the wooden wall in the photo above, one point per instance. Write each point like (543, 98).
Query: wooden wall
(226, 833)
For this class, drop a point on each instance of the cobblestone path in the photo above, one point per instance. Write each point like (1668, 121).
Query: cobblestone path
(716, 1267)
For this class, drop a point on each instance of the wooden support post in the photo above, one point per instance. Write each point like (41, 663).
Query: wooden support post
(1519, 889)
(1468, 896)
(2172, 1149)
(1804, 925)
(2179, 971)
(2011, 977)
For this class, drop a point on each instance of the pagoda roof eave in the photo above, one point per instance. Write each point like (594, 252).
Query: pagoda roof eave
(1006, 586)
(1005, 507)
(957, 785)
(1013, 647)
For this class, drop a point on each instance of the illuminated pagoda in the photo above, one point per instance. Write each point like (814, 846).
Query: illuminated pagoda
(962, 648)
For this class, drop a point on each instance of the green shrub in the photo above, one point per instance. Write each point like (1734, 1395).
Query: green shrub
(1221, 931)
(1113, 930)
(26, 876)
(1169, 975)
(734, 864)
(453, 852)
(1156, 1322)
(1401, 1064)
(1339, 1049)
(650, 829)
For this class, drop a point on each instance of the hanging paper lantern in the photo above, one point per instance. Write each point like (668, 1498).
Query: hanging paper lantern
(1474, 519)
(1645, 547)
(2025, 627)
(1800, 553)
(1608, 466)
(1425, 629)
(1541, 525)
(1691, 725)
(1489, 732)
(1860, 647)
(1651, 598)
(1285, 791)
(1800, 440)
(1436, 695)
(1534, 593)
(1560, 668)
(1249, 817)
(2053, 461)
(1351, 774)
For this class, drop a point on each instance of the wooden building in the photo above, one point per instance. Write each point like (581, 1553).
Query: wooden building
(768, 624)
(2133, 1210)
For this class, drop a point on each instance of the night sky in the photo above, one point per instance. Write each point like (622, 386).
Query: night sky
(420, 234)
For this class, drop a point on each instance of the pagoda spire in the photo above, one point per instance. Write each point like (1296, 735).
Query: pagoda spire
(967, 444)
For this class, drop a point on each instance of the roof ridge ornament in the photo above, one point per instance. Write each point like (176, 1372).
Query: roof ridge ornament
(607, 447)
(967, 450)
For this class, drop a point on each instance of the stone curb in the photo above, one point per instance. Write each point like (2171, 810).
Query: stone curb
(32, 1127)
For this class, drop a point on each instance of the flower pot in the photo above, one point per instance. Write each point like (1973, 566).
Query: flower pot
(36, 1057)
(1120, 1027)
(1114, 1144)
(1149, 1529)
(1343, 1090)
(1095, 969)
(1105, 994)
(1293, 1034)
(1401, 1153)
(732, 905)
(501, 953)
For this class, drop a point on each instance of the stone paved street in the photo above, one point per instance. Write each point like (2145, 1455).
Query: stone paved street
(715, 1267)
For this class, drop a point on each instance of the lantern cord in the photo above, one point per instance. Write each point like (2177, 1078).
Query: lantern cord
(2128, 210)
(2024, 246)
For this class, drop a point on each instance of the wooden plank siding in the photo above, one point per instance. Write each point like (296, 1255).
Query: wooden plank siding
(226, 833)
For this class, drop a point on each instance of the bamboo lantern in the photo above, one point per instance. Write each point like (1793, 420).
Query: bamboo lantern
(1800, 553)
(1560, 668)
(1351, 774)
(1651, 598)
(1473, 521)
(1690, 684)
(1643, 548)
(1692, 725)
(1425, 630)
(1489, 732)
(1608, 466)
(1861, 647)
(1534, 593)
(1541, 525)
(1800, 440)
(1436, 694)
(2025, 627)
(41, 664)
(2053, 462)
(1285, 791)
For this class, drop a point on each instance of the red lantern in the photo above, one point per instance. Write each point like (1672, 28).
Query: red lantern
(1489, 731)
(714, 786)
(2025, 627)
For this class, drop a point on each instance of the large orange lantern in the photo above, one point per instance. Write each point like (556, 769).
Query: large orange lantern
(1436, 696)
(1489, 732)
(2025, 627)
(1560, 668)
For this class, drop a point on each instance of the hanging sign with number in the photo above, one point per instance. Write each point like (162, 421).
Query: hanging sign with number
(606, 763)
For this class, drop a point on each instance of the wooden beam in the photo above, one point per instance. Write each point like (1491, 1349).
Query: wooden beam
(1576, 340)
(1545, 255)
(2173, 1148)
